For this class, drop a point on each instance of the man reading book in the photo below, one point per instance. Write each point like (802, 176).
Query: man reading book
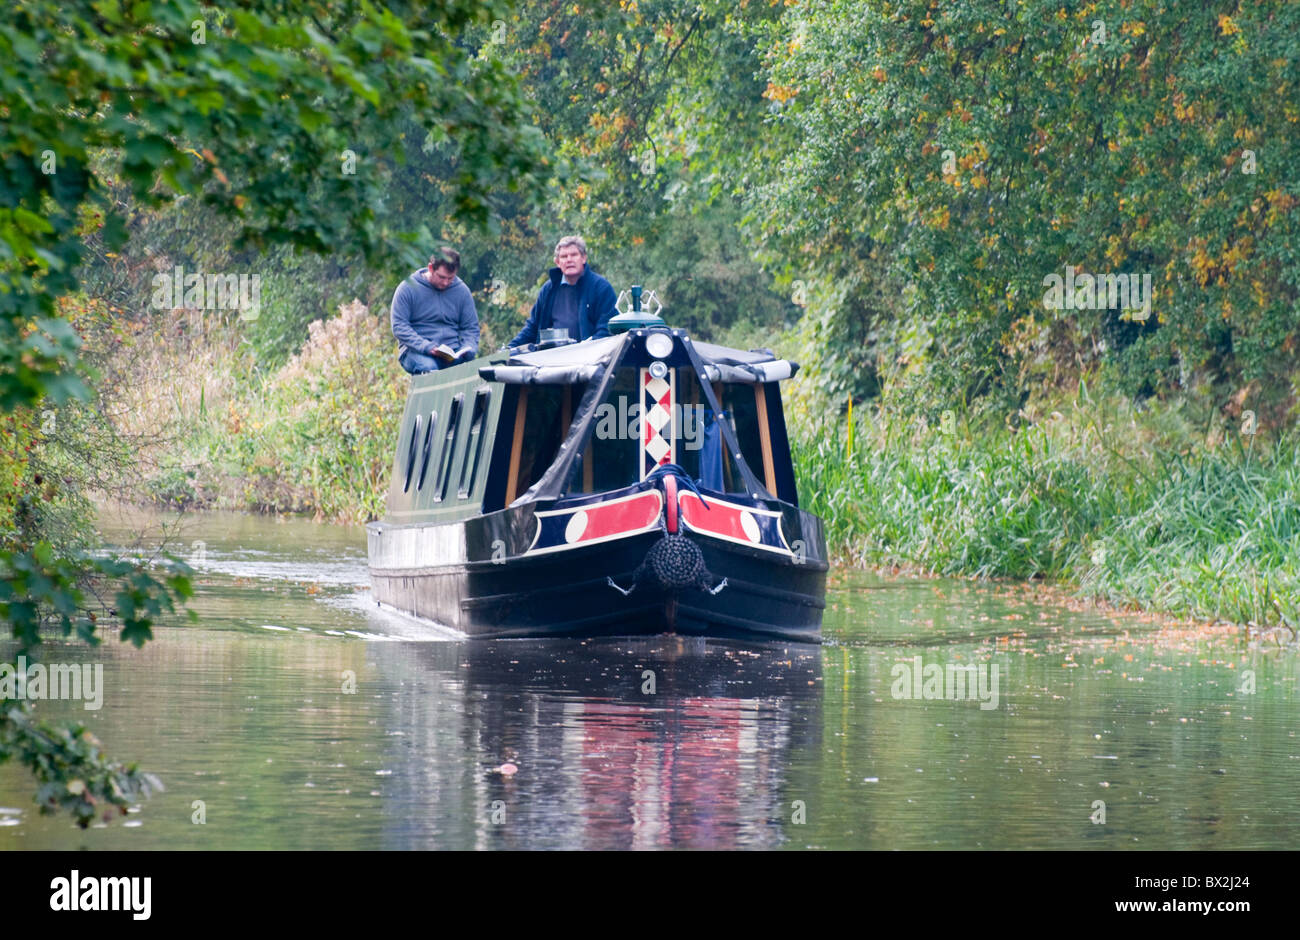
(434, 318)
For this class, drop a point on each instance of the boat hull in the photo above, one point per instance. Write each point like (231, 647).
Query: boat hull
(484, 591)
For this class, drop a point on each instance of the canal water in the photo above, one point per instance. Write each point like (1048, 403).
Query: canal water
(936, 714)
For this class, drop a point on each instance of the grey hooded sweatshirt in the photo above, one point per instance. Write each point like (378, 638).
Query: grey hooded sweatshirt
(424, 316)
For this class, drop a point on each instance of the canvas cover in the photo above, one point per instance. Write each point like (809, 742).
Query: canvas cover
(595, 363)
(578, 362)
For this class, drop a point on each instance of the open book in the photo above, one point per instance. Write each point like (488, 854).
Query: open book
(446, 352)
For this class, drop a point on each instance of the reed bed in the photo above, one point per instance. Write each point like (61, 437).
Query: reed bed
(1119, 509)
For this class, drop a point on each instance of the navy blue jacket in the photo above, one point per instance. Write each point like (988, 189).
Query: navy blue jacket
(596, 301)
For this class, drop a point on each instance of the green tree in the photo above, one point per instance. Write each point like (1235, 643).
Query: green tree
(281, 117)
(942, 160)
(650, 102)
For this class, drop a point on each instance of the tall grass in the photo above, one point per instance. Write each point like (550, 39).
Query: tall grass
(313, 435)
(1111, 506)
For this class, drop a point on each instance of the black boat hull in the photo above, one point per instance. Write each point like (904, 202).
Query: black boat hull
(568, 593)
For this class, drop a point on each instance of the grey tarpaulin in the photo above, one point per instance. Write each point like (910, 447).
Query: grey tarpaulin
(579, 362)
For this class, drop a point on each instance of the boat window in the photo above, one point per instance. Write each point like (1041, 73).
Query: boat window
(703, 453)
(612, 457)
(411, 451)
(742, 406)
(448, 449)
(428, 446)
(543, 430)
(469, 466)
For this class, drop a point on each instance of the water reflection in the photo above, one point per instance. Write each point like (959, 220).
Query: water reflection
(647, 743)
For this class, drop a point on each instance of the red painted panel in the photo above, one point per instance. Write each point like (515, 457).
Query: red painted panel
(625, 516)
(720, 518)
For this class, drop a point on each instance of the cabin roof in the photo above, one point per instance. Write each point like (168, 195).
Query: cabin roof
(579, 362)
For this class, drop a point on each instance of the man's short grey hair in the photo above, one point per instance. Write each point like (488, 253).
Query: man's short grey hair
(574, 240)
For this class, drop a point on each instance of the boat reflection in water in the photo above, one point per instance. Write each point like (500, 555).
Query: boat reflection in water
(664, 742)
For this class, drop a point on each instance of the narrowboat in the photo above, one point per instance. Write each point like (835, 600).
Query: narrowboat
(636, 484)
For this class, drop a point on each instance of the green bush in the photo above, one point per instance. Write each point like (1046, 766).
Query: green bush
(1212, 530)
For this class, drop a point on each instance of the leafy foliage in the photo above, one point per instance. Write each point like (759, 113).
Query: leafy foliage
(965, 152)
(71, 768)
(317, 434)
(284, 121)
(39, 589)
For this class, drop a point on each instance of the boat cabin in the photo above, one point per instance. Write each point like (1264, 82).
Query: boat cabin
(591, 417)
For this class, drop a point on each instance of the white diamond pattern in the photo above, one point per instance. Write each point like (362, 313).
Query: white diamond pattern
(657, 448)
(658, 417)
